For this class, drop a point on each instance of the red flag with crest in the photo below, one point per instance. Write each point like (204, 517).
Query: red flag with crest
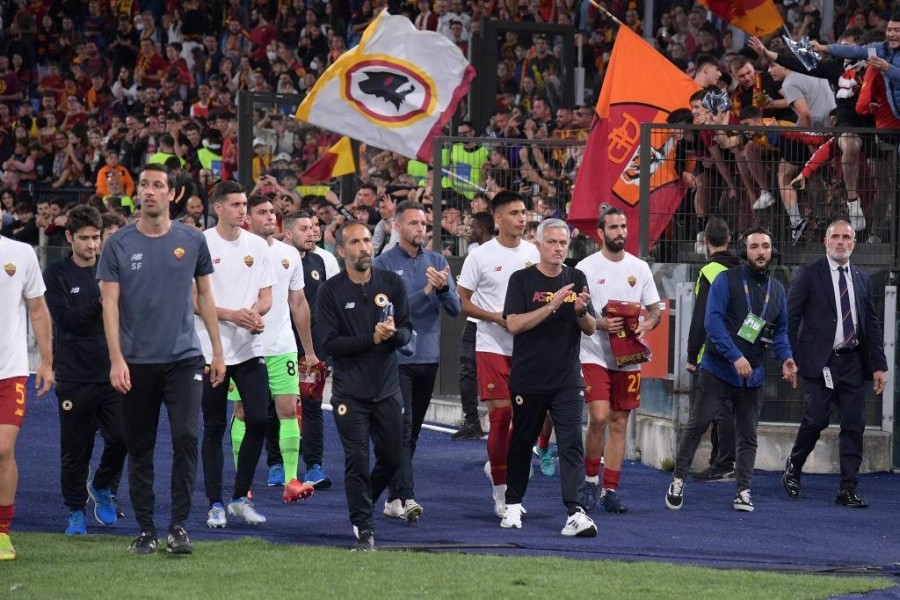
(641, 86)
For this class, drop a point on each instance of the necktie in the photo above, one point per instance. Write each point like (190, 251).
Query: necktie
(846, 314)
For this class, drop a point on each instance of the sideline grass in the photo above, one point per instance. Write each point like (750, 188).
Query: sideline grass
(53, 566)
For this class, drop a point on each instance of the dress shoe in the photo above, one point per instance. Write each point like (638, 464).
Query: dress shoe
(791, 479)
(850, 499)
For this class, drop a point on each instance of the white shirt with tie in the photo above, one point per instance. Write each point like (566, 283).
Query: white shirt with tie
(835, 278)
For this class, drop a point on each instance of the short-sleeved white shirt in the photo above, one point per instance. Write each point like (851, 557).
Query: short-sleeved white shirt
(242, 268)
(627, 280)
(487, 274)
(20, 280)
(278, 337)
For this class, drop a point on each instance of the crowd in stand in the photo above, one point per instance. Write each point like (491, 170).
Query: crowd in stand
(91, 91)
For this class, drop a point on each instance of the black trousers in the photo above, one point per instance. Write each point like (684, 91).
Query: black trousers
(468, 378)
(712, 393)
(849, 395)
(83, 409)
(721, 436)
(416, 385)
(180, 386)
(357, 422)
(529, 411)
(252, 381)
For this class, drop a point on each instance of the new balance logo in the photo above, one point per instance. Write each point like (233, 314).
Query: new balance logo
(137, 256)
(349, 305)
(75, 290)
(198, 377)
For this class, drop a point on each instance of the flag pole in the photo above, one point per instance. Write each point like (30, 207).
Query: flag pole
(596, 5)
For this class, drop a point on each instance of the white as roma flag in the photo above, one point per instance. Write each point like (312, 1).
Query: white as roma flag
(396, 90)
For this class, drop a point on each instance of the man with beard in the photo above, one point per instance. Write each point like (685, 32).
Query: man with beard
(837, 356)
(612, 391)
(746, 312)
(429, 287)
(363, 318)
(87, 401)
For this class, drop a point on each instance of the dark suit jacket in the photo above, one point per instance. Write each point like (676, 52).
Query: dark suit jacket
(813, 318)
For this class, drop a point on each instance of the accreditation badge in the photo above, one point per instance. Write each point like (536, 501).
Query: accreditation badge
(751, 328)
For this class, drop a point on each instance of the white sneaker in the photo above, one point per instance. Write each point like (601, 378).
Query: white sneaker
(487, 471)
(855, 212)
(499, 495)
(215, 518)
(394, 509)
(700, 244)
(244, 508)
(513, 517)
(743, 502)
(579, 525)
(765, 200)
(412, 510)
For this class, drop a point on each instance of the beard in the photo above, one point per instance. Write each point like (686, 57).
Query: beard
(614, 244)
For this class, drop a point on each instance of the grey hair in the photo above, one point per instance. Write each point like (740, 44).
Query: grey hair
(550, 224)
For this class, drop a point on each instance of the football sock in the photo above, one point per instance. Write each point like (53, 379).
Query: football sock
(289, 444)
(6, 516)
(238, 428)
(498, 443)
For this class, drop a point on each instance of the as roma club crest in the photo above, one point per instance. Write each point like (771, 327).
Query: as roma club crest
(315, 275)
(179, 253)
(389, 92)
(632, 280)
(381, 300)
(285, 263)
(248, 260)
(10, 269)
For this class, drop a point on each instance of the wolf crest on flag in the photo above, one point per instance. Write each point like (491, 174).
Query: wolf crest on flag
(388, 91)
(610, 172)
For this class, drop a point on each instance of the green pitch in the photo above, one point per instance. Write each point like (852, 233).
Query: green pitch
(53, 566)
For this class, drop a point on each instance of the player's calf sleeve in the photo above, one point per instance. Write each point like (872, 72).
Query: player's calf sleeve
(611, 478)
(591, 467)
(498, 443)
(543, 442)
(289, 444)
(238, 429)
(6, 516)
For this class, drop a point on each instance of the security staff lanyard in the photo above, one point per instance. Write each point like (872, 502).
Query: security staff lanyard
(753, 325)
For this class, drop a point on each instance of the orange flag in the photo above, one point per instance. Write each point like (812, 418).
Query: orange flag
(610, 172)
(337, 161)
(756, 17)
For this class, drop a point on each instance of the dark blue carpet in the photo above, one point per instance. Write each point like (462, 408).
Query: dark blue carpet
(809, 534)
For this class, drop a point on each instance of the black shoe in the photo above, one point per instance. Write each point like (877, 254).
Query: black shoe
(120, 514)
(849, 499)
(365, 541)
(178, 541)
(791, 479)
(469, 431)
(145, 543)
(720, 474)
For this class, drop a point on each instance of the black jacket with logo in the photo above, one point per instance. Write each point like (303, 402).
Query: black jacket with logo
(346, 315)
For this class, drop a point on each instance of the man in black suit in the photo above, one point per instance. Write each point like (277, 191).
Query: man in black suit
(836, 338)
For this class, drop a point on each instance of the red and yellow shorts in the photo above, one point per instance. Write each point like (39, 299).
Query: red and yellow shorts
(493, 375)
(12, 401)
(622, 389)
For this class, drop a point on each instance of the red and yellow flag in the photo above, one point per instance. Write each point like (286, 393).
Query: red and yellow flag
(641, 86)
(337, 161)
(756, 17)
